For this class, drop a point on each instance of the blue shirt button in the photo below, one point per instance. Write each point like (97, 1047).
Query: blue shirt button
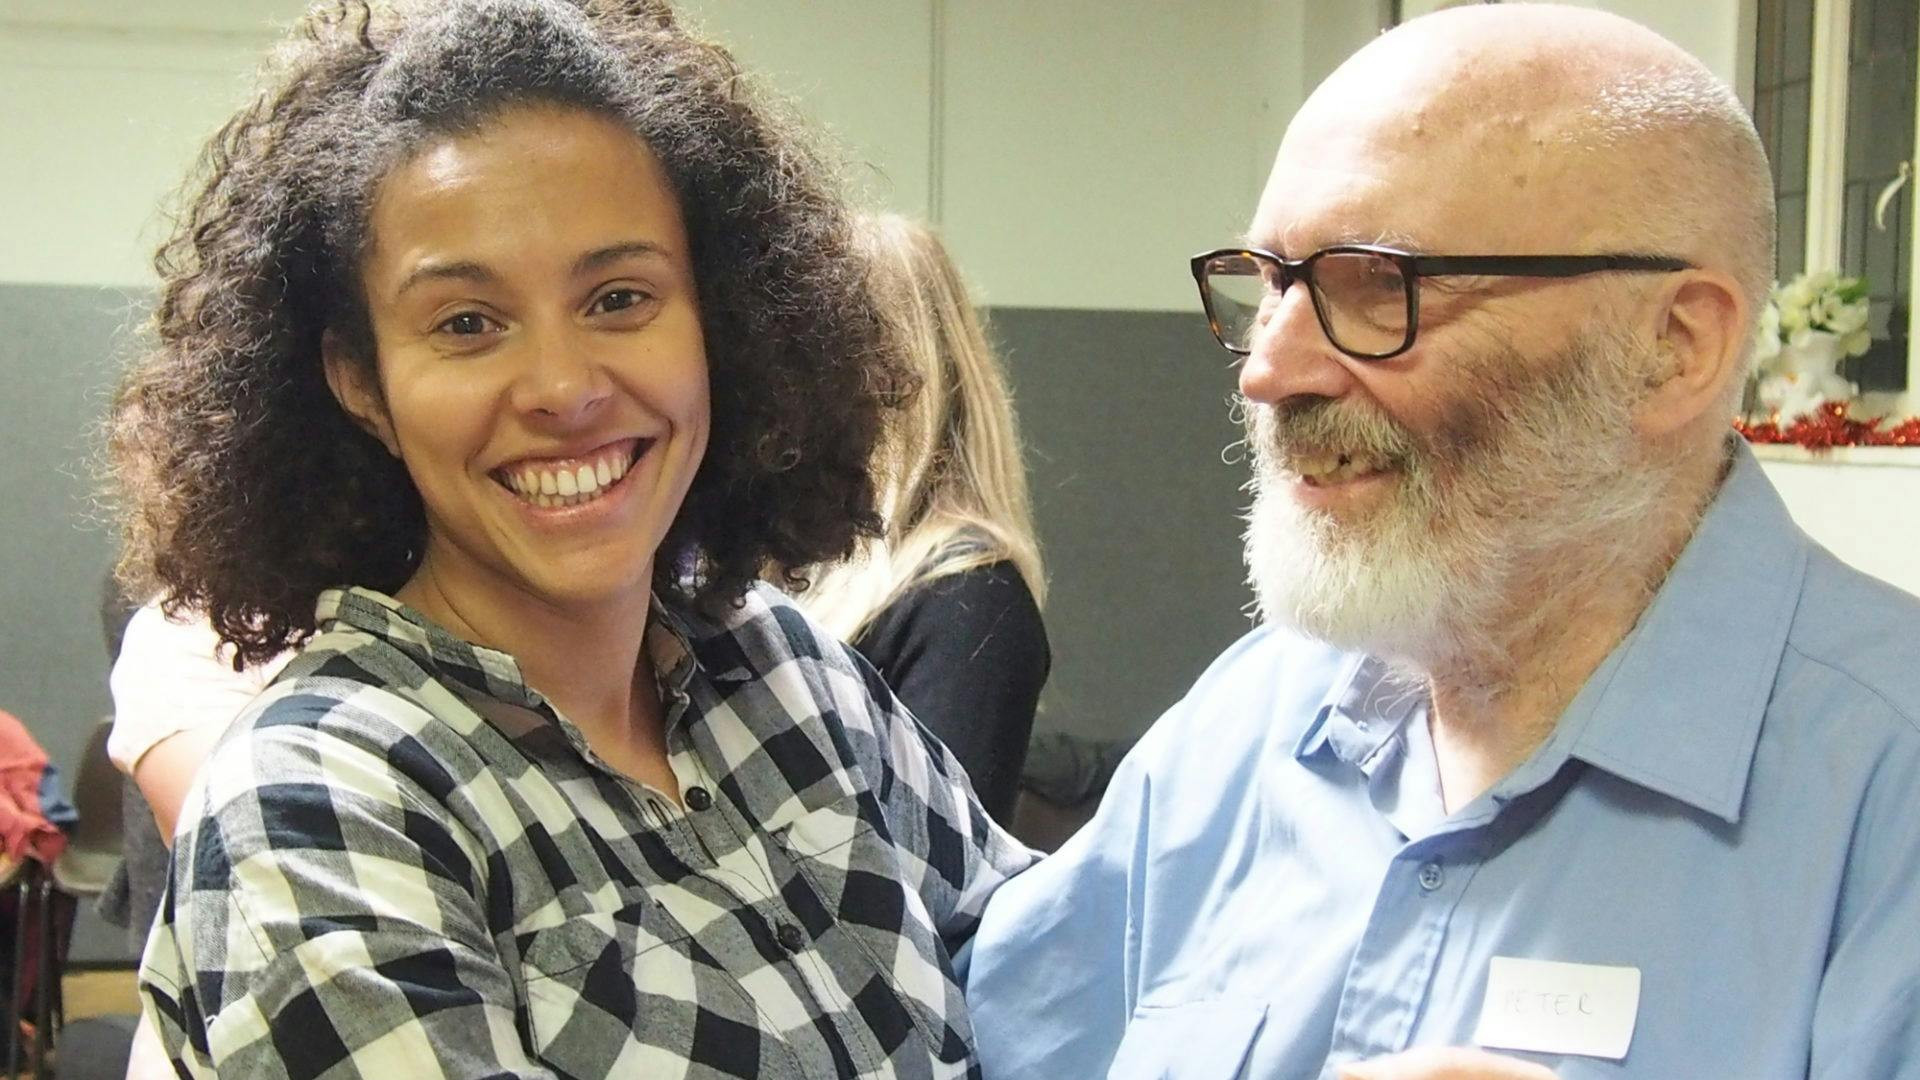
(1431, 877)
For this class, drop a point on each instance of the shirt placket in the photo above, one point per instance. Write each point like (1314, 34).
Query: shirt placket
(1392, 970)
(1391, 973)
(706, 827)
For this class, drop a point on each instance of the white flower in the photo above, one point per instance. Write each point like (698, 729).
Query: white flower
(1798, 294)
(1820, 313)
(1856, 343)
(1848, 318)
(1766, 343)
(1813, 301)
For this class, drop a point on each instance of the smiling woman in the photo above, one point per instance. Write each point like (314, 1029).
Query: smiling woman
(478, 374)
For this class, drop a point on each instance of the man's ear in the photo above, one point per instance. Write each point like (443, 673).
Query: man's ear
(1701, 327)
(351, 381)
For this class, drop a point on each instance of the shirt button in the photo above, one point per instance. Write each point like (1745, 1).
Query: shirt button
(790, 937)
(1431, 877)
(699, 798)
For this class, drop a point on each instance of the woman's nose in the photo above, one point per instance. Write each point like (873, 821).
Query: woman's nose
(561, 381)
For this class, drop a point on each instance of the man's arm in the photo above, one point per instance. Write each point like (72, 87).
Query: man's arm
(1866, 1019)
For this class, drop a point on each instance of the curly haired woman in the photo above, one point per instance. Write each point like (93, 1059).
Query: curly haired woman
(503, 344)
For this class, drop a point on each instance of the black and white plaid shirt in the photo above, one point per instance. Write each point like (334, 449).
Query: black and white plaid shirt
(403, 864)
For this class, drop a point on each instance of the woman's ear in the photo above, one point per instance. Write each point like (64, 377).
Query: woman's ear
(351, 382)
(1701, 329)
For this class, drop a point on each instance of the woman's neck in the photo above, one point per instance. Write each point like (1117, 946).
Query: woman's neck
(589, 659)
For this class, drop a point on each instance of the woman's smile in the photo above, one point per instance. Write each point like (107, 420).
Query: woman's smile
(564, 482)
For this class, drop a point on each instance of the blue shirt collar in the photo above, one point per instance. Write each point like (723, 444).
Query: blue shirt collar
(1363, 710)
(1676, 707)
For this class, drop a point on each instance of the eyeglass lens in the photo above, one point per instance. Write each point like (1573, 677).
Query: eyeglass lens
(1362, 299)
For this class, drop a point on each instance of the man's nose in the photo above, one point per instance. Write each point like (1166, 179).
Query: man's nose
(1291, 354)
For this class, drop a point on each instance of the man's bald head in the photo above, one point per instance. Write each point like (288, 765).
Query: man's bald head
(1561, 125)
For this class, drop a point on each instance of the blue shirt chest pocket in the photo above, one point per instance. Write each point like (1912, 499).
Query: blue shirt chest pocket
(1202, 1040)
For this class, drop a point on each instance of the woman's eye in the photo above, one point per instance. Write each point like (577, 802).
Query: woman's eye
(619, 300)
(467, 323)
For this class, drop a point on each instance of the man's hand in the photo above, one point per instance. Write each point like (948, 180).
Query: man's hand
(1446, 1063)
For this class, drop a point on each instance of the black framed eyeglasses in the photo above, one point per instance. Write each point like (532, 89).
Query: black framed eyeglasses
(1367, 298)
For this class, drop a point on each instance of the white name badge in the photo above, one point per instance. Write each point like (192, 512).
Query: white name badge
(1554, 1008)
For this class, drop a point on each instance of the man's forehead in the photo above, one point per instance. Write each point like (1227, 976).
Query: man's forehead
(1423, 179)
(1319, 197)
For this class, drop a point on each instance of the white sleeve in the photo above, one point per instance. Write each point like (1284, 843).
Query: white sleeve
(171, 677)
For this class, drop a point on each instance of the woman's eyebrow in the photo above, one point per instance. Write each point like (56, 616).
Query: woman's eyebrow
(435, 270)
(432, 269)
(600, 257)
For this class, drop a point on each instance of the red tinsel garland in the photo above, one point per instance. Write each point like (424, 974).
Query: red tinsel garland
(1830, 426)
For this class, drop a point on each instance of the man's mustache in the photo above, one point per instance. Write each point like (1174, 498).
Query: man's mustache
(1301, 427)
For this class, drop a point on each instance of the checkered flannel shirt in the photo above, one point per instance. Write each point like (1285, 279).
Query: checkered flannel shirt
(403, 864)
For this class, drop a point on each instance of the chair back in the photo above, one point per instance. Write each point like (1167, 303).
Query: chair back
(96, 795)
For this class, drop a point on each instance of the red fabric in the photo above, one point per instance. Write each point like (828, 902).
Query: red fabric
(24, 832)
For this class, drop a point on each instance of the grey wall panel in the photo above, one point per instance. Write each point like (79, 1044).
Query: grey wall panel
(57, 361)
(1125, 417)
(1124, 412)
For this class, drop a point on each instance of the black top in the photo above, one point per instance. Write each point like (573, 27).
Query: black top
(967, 653)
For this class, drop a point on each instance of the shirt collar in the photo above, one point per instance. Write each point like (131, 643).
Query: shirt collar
(1363, 710)
(1678, 707)
(423, 641)
(679, 644)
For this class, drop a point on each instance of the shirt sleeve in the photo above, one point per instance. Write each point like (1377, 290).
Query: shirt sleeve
(324, 920)
(951, 851)
(171, 677)
(1867, 1014)
(968, 654)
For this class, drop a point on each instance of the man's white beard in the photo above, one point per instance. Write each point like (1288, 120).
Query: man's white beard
(1533, 481)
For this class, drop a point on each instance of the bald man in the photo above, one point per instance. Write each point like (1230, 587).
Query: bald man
(1559, 750)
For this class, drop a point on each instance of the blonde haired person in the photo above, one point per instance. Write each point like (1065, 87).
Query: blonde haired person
(946, 602)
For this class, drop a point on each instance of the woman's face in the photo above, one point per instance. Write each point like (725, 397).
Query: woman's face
(541, 371)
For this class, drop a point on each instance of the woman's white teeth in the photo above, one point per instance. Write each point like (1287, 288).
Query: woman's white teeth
(567, 486)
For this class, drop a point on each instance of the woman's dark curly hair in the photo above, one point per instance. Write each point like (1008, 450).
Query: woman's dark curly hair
(246, 489)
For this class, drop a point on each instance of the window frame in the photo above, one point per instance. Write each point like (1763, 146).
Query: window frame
(1826, 180)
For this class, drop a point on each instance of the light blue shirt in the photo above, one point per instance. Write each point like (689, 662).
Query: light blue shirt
(1731, 805)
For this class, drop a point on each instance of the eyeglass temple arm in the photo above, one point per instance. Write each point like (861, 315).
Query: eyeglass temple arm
(1541, 265)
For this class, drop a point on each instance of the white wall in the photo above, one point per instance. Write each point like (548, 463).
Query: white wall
(861, 69)
(105, 110)
(1709, 29)
(1865, 512)
(1091, 147)
(1075, 151)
